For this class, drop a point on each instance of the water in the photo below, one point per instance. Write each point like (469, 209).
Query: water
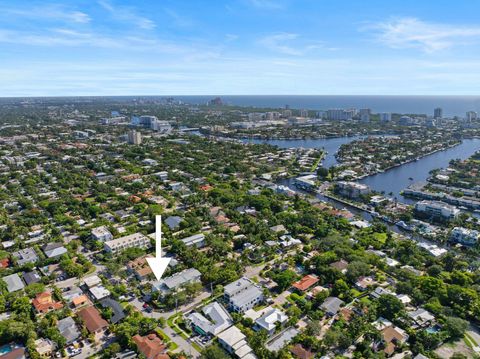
(331, 145)
(452, 105)
(396, 179)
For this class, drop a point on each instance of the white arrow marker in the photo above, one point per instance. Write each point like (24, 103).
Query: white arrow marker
(158, 264)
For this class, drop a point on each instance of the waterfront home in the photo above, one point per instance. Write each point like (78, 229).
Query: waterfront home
(468, 237)
(351, 189)
(437, 209)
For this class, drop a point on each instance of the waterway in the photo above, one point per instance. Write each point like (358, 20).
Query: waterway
(393, 181)
(331, 145)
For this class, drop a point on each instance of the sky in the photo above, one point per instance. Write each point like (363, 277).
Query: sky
(239, 47)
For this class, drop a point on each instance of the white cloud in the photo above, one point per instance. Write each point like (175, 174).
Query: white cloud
(127, 14)
(48, 12)
(278, 42)
(410, 32)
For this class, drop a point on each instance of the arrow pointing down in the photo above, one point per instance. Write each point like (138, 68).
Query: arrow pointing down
(158, 264)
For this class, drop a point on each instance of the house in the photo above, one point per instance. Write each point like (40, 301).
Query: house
(422, 318)
(197, 240)
(99, 292)
(340, 265)
(363, 283)
(392, 337)
(92, 281)
(102, 234)
(80, 301)
(54, 250)
(151, 346)
(173, 222)
(331, 306)
(31, 277)
(176, 281)
(44, 347)
(269, 321)
(379, 291)
(117, 310)
(242, 295)
(24, 256)
(71, 294)
(45, 303)
(278, 229)
(92, 319)
(14, 282)
(300, 352)
(468, 237)
(68, 329)
(137, 240)
(305, 283)
(140, 268)
(234, 342)
(4, 263)
(214, 320)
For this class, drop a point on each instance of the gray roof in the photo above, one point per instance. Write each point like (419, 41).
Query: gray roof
(237, 286)
(173, 221)
(24, 256)
(31, 277)
(178, 279)
(14, 282)
(332, 305)
(216, 319)
(246, 296)
(118, 313)
(68, 329)
(52, 250)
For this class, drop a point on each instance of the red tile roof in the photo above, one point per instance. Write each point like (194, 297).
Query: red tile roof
(44, 303)
(92, 319)
(306, 282)
(151, 346)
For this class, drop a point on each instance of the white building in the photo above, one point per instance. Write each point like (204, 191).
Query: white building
(197, 240)
(102, 234)
(352, 189)
(215, 319)
(464, 236)
(133, 240)
(385, 116)
(268, 321)
(176, 281)
(437, 209)
(233, 341)
(134, 137)
(242, 295)
(338, 114)
(471, 116)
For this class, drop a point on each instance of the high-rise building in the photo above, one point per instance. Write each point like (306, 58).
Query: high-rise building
(385, 117)
(287, 113)
(338, 114)
(134, 137)
(364, 114)
(437, 113)
(303, 113)
(471, 116)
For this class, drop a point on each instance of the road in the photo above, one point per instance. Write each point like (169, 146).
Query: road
(182, 343)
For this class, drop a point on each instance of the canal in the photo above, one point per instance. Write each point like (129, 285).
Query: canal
(393, 181)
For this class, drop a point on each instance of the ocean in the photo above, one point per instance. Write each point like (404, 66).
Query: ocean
(451, 105)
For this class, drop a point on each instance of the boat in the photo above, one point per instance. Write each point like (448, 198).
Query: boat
(410, 178)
